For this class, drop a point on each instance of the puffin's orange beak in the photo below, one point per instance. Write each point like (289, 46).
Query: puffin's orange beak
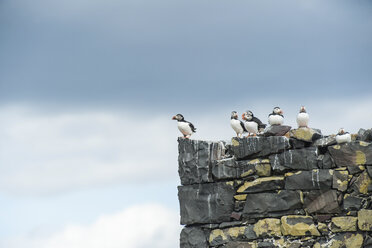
(281, 111)
(174, 117)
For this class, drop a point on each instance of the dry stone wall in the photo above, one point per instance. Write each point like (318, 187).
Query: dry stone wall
(298, 190)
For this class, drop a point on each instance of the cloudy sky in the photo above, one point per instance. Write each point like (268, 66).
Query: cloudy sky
(88, 150)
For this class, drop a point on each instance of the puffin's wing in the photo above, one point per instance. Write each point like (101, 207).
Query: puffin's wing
(243, 126)
(192, 127)
(260, 124)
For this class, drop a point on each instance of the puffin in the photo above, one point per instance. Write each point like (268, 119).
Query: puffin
(237, 125)
(343, 137)
(302, 118)
(186, 128)
(252, 123)
(276, 117)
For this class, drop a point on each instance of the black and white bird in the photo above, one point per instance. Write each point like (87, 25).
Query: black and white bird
(186, 128)
(343, 137)
(302, 118)
(237, 124)
(276, 117)
(252, 123)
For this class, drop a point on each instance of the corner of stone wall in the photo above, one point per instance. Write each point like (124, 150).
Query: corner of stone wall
(298, 190)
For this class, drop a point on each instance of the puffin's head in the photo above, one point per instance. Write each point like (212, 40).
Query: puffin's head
(178, 117)
(278, 111)
(302, 109)
(248, 115)
(234, 115)
(341, 131)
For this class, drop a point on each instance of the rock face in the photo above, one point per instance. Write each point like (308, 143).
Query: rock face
(275, 191)
(254, 147)
(207, 203)
(195, 160)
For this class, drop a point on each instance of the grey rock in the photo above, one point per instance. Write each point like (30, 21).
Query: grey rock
(229, 224)
(206, 203)
(253, 147)
(351, 154)
(305, 134)
(262, 184)
(369, 170)
(322, 202)
(299, 159)
(325, 161)
(193, 237)
(239, 244)
(195, 160)
(277, 214)
(325, 141)
(272, 202)
(309, 180)
(231, 169)
(352, 203)
(298, 144)
(365, 135)
(276, 130)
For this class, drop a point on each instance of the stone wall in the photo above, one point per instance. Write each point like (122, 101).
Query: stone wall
(298, 190)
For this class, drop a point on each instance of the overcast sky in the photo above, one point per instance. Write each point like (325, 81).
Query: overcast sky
(88, 88)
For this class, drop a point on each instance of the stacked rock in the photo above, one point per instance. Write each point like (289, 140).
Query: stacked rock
(302, 190)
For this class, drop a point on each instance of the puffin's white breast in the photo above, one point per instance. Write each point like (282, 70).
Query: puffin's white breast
(276, 120)
(185, 128)
(251, 126)
(343, 138)
(302, 119)
(235, 124)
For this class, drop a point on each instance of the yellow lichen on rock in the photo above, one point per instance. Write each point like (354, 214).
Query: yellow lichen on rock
(234, 232)
(215, 234)
(241, 197)
(360, 158)
(298, 225)
(263, 170)
(344, 224)
(247, 173)
(258, 181)
(365, 220)
(267, 227)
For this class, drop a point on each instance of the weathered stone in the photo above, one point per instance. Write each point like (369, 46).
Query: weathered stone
(195, 160)
(323, 228)
(222, 236)
(305, 134)
(263, 203)
(298, 225)
(253, 147)
(325, 161)
(193, 237)
(298, 144)
(352, 203)
(314, 179)
(241, 245)
(300, 159)
(365, 135)
(206, 203)
(369, 170)
(231, 169)
(287, 243)
(362, 183)
(322, 202)
(342, 240)
(262, 184)
(352, 154)
(267, 227)
(325, 141)
(276, 130)
(365, 219)
(344, 224)
(340, 180)
(355, 169)
(277, 214)
(229, 224)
